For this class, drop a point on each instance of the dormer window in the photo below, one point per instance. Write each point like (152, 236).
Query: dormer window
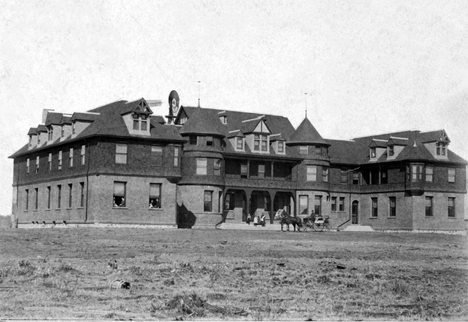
(50, 133)
(280, 147)
(140, 122)
(260, 142)
(240, 144)
(391, 150)
(441, 148)
(373, 153)
(73, 128)
(223, 119)
(144, 123)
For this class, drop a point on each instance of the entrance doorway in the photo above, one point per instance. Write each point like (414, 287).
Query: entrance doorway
(355, 212)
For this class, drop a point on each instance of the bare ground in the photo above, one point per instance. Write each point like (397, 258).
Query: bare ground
(232, 275)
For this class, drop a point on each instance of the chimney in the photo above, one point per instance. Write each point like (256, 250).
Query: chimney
(44, 114)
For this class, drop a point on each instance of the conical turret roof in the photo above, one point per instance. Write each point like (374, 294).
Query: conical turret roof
(306, 134)
(203, 122)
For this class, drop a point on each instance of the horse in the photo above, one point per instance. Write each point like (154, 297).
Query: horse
(287, 219)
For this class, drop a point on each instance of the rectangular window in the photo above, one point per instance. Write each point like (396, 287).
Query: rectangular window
(176, 156)
(27, 165)
(256, 142)
(70, 195)
(83, 154)
(155, 195)
(375, 208)
(193, 140)
(82, 194)
(240, 144)
(344, 177)
(26, 206)
(156, 156)
(121, 153)
(383, 176)
(451, 175)
(62, 132)
(318, 205)
(37, 164)
(280, 147)
(59, 196)
(60, 160)
(70, 158)
(303, 149)
(318, 150)
(220, 201)
(325, 174)
(342, 202)
(311, 173)
(333, 204)
(48, 197)
(120, 189)
(136, 124)
(217, 167)
(416, 173)
(36, 198)
(264, 139)
(428, 206)
(392, 203)
(144, 125)
(202, 166)
(304, 205)
(49, 160)
(429, 173)
(73, 128)
(209, 141)
(373, 153)
(355, 178)
(391, 150)
(261, 171)
(208, 201)
(243, 170)
(451, 207)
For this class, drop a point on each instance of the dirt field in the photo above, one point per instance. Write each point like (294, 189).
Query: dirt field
(241, 275)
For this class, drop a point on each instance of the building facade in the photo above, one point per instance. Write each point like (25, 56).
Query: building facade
(123, 164)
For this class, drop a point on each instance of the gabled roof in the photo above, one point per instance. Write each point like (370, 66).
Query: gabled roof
(32, 131)
(397, 141)
(434, 136)
(88, 117)
(277, 137)
(41, 128)
(306, 134)
(53, 118)
(66, 119)
(378, 144)
(249, 126)
(236, 133)
(139, 106)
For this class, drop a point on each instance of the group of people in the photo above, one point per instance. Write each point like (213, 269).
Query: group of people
(257, 220)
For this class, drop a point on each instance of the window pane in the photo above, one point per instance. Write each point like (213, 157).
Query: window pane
(208, 201)
(121, 148)
(303, 205)
(119, 188)
(201, 166)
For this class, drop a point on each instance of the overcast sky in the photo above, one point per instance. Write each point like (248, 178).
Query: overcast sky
(368, 67)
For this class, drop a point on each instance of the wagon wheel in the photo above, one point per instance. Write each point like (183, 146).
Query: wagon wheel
(318, 227)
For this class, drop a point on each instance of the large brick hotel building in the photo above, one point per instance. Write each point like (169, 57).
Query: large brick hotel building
(122, 163)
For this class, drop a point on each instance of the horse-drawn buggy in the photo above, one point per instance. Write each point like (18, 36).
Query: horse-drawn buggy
(312, 222)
